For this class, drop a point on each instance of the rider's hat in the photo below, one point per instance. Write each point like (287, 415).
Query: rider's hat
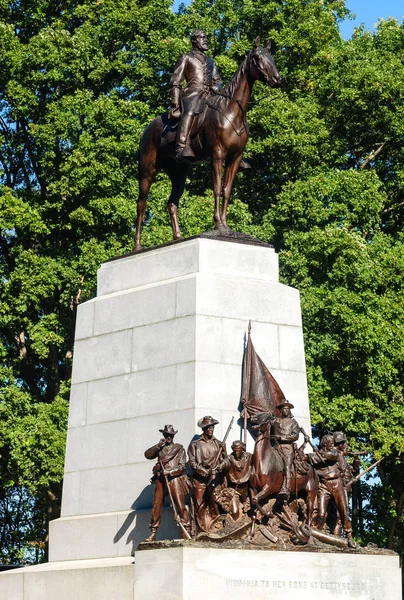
(207, 421)
(168, 429)
(283, 403)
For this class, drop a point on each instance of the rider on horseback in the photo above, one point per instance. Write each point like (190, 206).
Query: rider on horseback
(285, 431)
(202, 78)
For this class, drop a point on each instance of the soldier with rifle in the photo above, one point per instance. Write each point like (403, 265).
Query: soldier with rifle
(169, 479)
(205, 455)
(326, 462)
(347, 471)
(285, 432)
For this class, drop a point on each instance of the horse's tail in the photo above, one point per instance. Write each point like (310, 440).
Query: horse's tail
(149, 147)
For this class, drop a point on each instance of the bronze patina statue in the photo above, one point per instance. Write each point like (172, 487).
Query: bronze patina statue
(170, 479)
(218, 134)
(285, 431)
(348, 472)
(205, 455)
(202, 78)
(327, 462)
(237, 469)
(268, 467)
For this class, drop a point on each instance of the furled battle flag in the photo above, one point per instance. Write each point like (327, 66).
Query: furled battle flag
(260, 393)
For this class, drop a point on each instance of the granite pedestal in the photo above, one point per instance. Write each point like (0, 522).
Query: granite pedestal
(162, 343)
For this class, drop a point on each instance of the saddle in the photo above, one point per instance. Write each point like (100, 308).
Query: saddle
(215, 102)
(170, 130)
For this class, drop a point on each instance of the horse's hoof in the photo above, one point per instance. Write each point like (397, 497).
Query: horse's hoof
(219, 225)
(177, 236)
(137, 248)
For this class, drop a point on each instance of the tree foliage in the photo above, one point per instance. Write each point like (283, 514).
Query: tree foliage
(78, 83)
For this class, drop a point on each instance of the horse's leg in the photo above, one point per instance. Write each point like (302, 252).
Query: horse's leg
(217, 166)
(265, 491)
(177, 173)
(251, 534)
(311, 495)
(145, 181)
(229, 175)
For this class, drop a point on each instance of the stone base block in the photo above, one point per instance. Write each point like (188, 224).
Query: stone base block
(107, 535)
(186, 573)
(195, 573)
(107, 579)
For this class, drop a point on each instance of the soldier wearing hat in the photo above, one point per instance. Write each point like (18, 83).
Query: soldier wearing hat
(331, 485)
(347, 473)
(205, 455)
(169, 470)
(285, 431)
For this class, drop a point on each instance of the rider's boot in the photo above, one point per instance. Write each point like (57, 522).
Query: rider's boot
(152, 536)
(183, 150)
(284, 492)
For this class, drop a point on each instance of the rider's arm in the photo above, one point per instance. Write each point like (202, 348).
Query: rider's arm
(176, 81)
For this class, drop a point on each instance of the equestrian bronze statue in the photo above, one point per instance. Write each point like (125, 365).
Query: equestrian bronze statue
(212, 128)
(272, 475)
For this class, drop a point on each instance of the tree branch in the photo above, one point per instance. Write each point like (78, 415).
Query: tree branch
(373, 154)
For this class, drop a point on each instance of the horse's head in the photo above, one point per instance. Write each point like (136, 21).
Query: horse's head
(261, 421)
(263, 66)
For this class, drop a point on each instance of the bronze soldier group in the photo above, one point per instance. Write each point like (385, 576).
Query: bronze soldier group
(222, 486)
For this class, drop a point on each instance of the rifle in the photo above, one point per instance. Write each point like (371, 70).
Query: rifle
(316, 451)
(355, 479)
(212, 477)
(176, 515)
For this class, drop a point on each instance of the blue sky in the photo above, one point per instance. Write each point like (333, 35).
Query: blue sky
(367, 12)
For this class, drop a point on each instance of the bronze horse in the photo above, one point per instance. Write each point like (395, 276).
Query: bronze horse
(267, 473)
(220, 139)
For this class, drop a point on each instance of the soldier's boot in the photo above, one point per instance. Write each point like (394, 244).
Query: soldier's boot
(183, 150)
(284, 492)
(351, 543)
(152, 536)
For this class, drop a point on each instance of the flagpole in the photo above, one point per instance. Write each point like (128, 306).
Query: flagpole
(248, 380)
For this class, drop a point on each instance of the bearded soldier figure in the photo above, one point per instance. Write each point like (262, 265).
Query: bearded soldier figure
(202, 78)
(169, 470)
